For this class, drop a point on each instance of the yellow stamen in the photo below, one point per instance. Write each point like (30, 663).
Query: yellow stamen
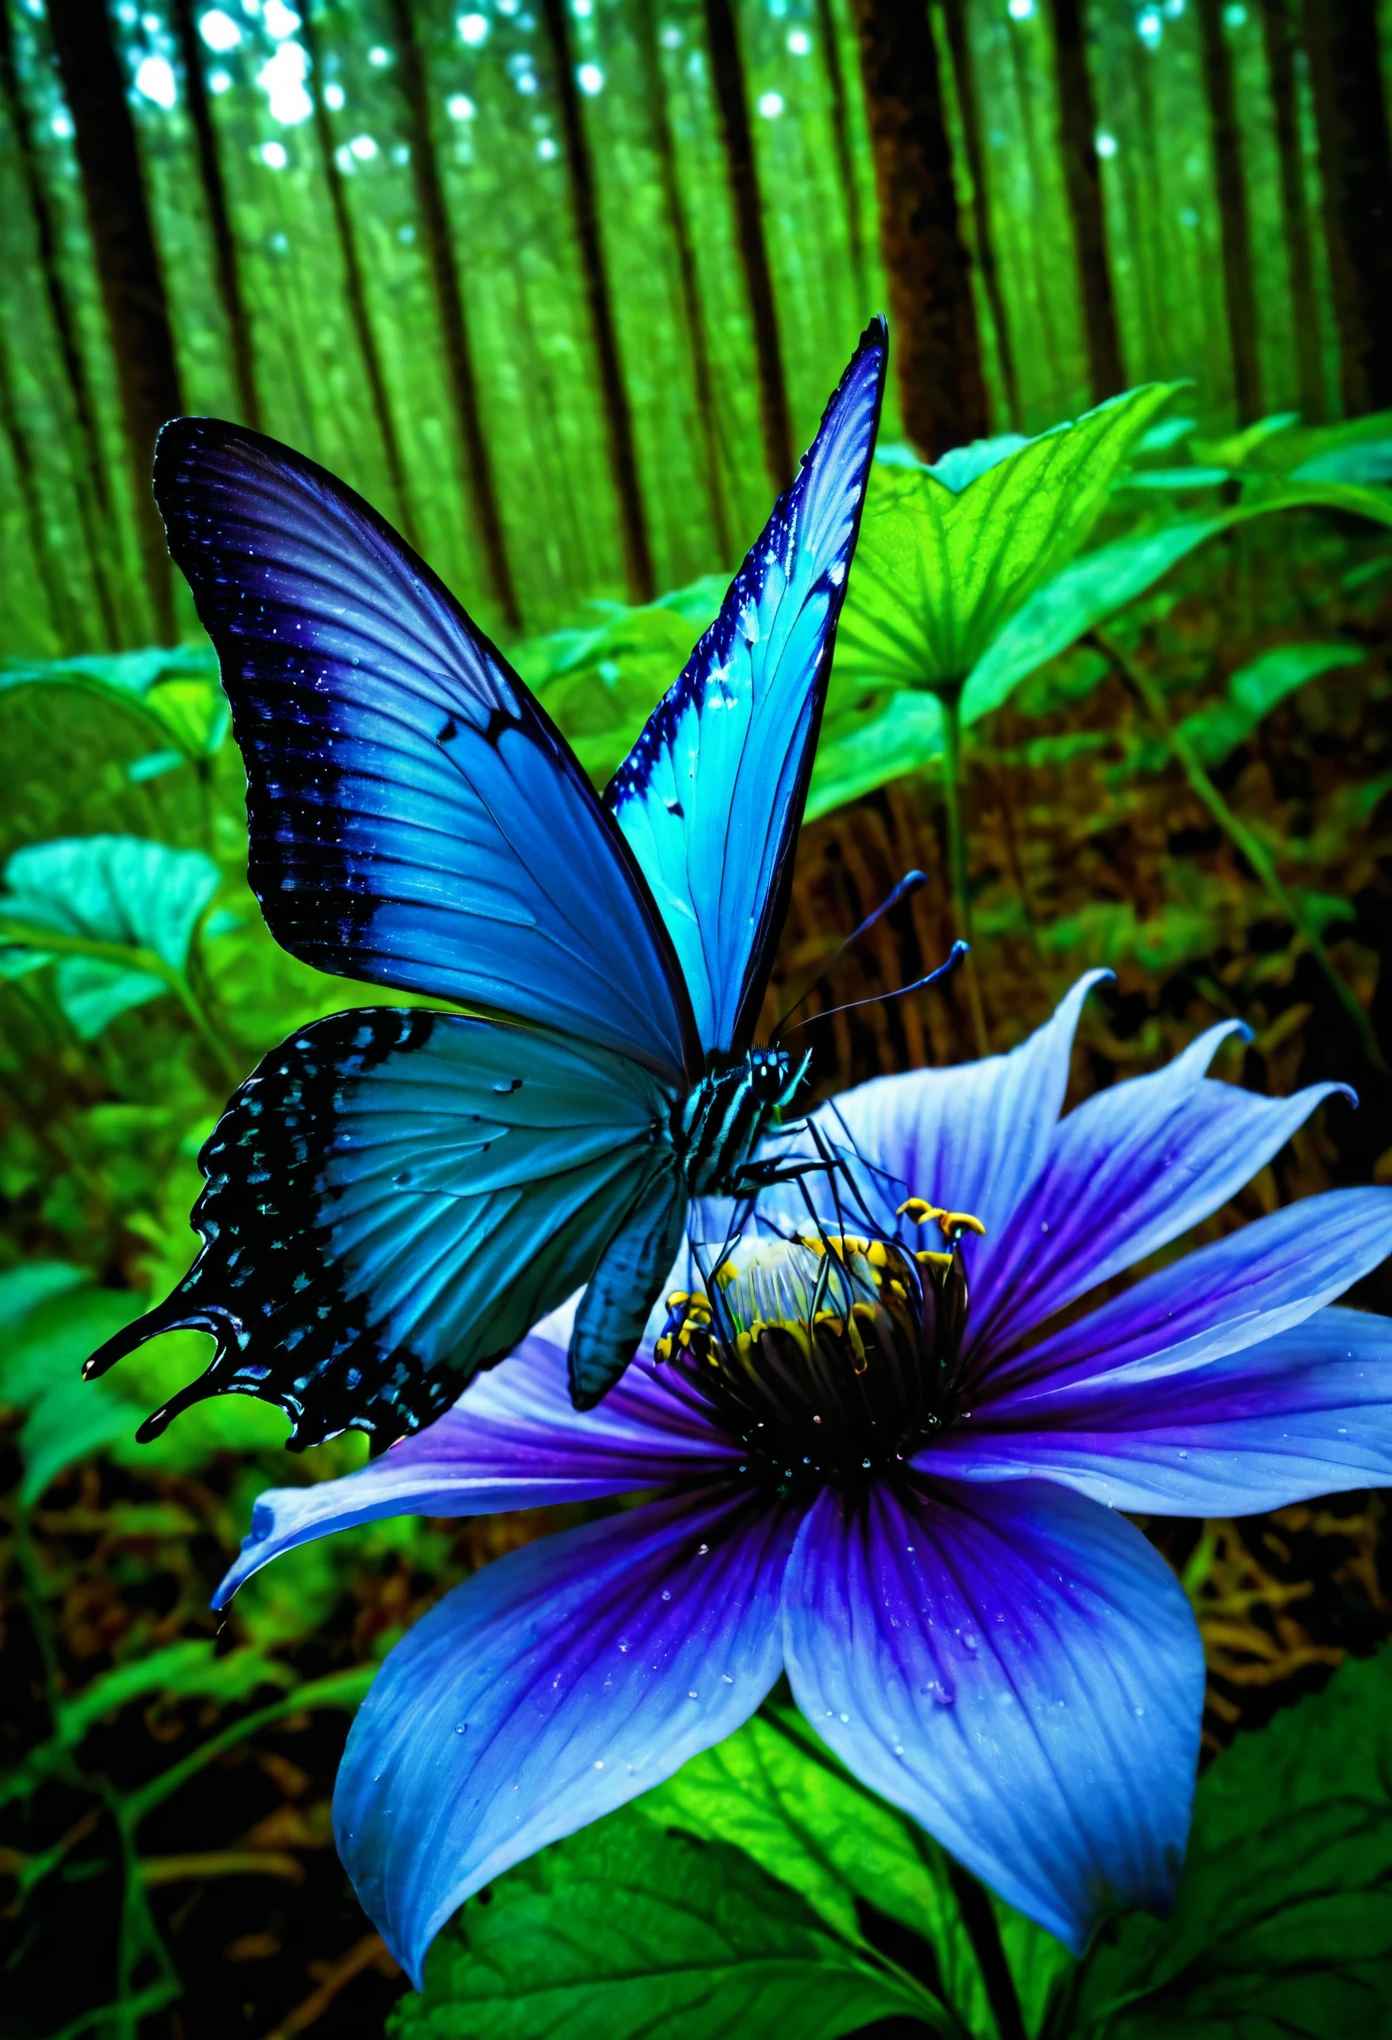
(926, 1258)
(954, 1222)
(918, 1210)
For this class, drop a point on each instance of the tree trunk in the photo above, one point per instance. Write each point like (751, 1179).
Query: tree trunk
(1083, 183)
(480, 478)
(693, 308)
(1158, 216)
(1034, 157)
(727, 75)
(1341, 37)
(845, 159)
(353, 281)
(128, 267)
(942, 393)
(1239, 295)
(226, 263)
(93, 496)
(969, 107)
(1278, 31)
(49, 567)
(618, 418)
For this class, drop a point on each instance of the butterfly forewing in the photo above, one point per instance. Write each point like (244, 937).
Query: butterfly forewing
(712, 793)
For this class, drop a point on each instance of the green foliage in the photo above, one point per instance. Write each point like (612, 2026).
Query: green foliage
(627, 1931)
(174, 693)
(117, 915)
(940, 570)
(1255, 689)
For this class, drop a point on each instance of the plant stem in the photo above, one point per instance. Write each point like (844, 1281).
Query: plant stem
(1140, 684)
(951, 704)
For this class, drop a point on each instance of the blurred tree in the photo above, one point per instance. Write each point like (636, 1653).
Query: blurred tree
(618, 417)
(1341, 38)
(689, 277)
(1035, 239)
(226, 264)
(127, 263)
(353, 281)
(1279, 34)
(1083, 183)
(845, 156)
(937, 349)
(1235, 231)
(66, 625)
(93, 494)
(969, 108)
(460, 371)
(732, 102)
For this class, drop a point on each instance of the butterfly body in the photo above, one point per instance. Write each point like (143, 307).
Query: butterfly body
(395, 1196)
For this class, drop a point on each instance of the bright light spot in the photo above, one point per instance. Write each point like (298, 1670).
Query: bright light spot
(1150, 27)
(526, 82)
(582, 9)
(279, 20)
(363, 147)
(401, 154)
(275, 155)
(508, 6)
(128, 13)
(343, 156)
(1173, 9)
(379, 57)
(252, 7)
(334, 98)
(1106, 144)
(61, 125)
(671, 37)
(1188, 216)
(282, 80)
(590, 79)
(1020, 10)
(460, 107)
(547, 150)
(770, 104)
(280, 243)
(799, 42)
(406, 235)
(219, 81)
(473, 29)
(154, 79)
(219, 31)
(1233, 17)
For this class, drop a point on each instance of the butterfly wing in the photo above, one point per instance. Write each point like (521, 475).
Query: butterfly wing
(416, 819)
(712, 793)
(393, 1198)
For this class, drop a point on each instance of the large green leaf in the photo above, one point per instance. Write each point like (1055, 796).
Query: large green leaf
(627, 1930)
(860, 751)
(776, 1792)
(1283, 1925)
(1255, 689)
(175, 692)
(123, 911)
(938, 571)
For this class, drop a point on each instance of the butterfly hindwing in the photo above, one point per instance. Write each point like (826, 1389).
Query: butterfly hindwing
(416, 819)
(392, 1199)
(712, 793)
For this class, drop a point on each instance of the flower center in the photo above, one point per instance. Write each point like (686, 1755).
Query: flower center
(828, 1356)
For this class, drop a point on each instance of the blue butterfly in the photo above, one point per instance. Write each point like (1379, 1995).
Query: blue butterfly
(396, 1195)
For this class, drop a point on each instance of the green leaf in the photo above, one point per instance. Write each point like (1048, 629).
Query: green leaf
(939, 572)
(857, 753)
(1283, 1924)
(41, 1373)
(175, 691)
(776, 1792)
(1254, 690)
(123, 911)
(626, 1931)
(1173, 480)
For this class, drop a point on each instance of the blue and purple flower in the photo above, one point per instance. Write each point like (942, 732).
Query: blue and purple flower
(889, 1457)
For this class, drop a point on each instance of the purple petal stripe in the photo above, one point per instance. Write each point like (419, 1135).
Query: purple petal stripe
(1306, 1413)
(550, 1688)
(1018, 1670)
(512, 1441)
(1130, 1170)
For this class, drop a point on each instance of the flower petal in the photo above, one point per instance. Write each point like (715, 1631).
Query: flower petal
(550, 1688)
(1306, 1413)
(1130, 1170)
(1018, 1670)
(969, 1138)
(1232, 1293)
(512, 1441)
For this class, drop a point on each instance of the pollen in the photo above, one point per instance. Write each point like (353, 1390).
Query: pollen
(952, 1224)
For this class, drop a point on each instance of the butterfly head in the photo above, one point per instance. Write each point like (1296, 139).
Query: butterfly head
(769, 1073)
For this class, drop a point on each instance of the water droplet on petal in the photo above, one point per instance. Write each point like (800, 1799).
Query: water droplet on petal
(599, 1763)
(666, 1593)
(701, 1550)
(845, 1717)
(693, 1694)
(1138, 1712)
(971, 1640)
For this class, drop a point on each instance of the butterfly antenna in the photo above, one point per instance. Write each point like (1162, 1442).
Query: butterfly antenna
(907, 886)
(954, 957)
